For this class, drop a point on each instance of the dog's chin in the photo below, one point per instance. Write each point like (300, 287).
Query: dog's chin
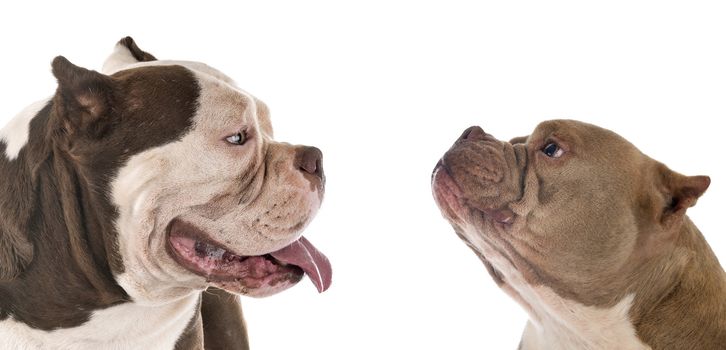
(447, 195)
(264, 288)
(490, 221)
(255, 276)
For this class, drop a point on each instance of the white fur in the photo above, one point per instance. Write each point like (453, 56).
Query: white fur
(126, 326)
(569, 325)
(120, 58)
(16, 133)
(557, 323)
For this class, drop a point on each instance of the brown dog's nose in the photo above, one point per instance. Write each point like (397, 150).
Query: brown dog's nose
(473, 133)
(310, 160)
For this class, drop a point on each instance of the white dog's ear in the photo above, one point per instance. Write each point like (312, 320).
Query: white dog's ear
(682, 192)
(125, 53)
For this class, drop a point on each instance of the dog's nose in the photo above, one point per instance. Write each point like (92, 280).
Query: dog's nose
(310, 160)
(473, 133)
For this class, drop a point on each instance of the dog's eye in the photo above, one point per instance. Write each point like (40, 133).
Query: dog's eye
(552, 150)
(238, 139)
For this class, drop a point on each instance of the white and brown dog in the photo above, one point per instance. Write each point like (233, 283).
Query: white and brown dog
(589, 235)
(130, 192)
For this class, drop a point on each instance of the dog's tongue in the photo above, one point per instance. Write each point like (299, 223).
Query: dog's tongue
(303, 254)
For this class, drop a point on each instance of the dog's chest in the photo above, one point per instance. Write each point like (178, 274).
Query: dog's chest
(564, 324)
(126, 326)
(557, 323)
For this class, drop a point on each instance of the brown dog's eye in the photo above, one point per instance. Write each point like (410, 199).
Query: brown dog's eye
(238, 139)
(552, 150)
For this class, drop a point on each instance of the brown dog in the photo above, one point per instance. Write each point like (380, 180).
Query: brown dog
(589, 235)
(131, 192)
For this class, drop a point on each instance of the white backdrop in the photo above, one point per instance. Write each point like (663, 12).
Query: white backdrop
(383, 88)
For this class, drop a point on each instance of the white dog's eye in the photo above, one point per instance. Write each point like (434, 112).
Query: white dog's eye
(237, 139)
(552, 150)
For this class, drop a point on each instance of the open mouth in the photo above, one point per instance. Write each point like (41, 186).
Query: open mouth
(254, 275)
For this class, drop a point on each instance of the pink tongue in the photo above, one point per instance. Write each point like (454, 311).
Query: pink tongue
(303, 254)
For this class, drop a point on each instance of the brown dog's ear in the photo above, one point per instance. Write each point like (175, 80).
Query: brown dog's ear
(84, 97)
(682, 193)
(16, 252)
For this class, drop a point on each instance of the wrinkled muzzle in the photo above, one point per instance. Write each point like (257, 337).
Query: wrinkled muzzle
(478, 173)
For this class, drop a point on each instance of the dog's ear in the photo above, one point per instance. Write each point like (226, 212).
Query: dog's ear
(16, 251)
(681, 193)
(84, 98)
(125, 53)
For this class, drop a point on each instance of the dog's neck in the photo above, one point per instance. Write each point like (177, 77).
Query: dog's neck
(64, 223)
(675, 300)
(560, 324)
(125, 326)
(682, 301)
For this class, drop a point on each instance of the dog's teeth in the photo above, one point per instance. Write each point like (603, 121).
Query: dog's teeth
(208, 251)
(215, 252)
(200, 247)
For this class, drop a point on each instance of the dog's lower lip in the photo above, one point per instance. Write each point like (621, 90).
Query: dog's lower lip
(278, 262)
(192, 249)
(439, 165)
(217, 264)
(446, 180)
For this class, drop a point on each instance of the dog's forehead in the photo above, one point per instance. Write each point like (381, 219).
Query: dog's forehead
(222, 102)
(193, 66)
(221, 105)
(577, 133)
(209, 78)
(568, 129)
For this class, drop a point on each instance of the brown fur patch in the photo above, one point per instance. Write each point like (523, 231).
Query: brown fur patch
(224, 326)
(58, 194)
(193, 336)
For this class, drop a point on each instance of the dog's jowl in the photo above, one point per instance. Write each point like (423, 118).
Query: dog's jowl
(137, 202)
(589, 236)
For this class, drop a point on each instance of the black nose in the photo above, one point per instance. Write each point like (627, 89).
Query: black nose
(473, 133)
(310, 160)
